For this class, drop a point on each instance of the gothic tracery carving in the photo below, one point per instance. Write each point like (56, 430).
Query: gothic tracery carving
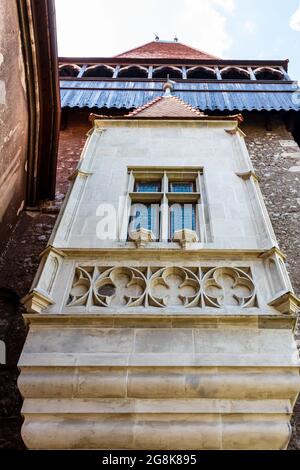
(120, 287)
(228, 287)
(80, 289)
(174, 286)
(217, 287)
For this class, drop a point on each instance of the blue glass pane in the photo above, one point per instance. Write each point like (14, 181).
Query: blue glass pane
(182, 187)
(148, 187)
(146, 216)
(141, 217)
(182, 216)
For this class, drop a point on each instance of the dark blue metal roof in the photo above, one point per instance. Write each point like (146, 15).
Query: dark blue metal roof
(213, 96)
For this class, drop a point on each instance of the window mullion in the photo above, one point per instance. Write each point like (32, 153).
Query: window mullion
(165, 210)
(200, 211)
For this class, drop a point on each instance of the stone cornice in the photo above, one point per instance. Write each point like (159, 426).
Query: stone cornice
(163, 250)
(148, 320)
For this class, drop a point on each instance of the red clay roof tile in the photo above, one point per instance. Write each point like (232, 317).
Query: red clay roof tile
(165, 50)
(165, 107)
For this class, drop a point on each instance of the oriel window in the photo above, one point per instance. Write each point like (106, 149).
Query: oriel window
(165, 200)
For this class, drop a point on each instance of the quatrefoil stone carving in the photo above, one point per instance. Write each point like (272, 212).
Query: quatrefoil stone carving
(174, 286)
(196, 287)
(228, 287)
(120, 287)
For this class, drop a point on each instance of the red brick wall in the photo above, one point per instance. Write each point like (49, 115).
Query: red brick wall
(71, 142)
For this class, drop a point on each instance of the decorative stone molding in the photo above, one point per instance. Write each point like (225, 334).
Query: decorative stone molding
(265, 233)
(286, 303)
(171, 287)
(162, 287)
(273, 251)
(246, 175)
(40, 297)
(229, 287)
(120, 287)
(79, 172)
(142, 237)
(185, 236)
(53, 250)
(274, 261)
(231, 131)
(80, 288)
(36, 301)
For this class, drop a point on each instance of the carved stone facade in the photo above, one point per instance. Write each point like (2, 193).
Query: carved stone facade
(165, 346)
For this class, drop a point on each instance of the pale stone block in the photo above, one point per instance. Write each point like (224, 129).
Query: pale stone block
(47, 382)
(77, 340)
(74, 433)
(259, 433)
(101, 383)
(188, 433)
(150, 384)
(164, 341)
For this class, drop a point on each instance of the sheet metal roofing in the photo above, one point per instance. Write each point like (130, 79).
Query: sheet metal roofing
(203, 96)
(165, 50)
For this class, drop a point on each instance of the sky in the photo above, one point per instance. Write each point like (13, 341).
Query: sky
(230, 29)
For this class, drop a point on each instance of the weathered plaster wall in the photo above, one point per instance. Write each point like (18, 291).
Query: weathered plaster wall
(13, 119)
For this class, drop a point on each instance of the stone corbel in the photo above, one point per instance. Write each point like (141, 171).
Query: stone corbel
(236, 130)
(54, 251)
(246, 175)
(36, 301)
(185, 236)
(142, 237)
(286, 303)
(232, 131)
(80, 172)
(275, 251)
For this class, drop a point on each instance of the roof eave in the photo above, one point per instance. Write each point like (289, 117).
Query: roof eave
(100, 118)
(163, 61)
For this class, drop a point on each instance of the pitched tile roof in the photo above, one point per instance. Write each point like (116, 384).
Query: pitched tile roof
(164, 107)
(165, 50)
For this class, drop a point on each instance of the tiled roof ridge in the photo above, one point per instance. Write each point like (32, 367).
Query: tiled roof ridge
(159, 98)
(147, 46)
(133, 49)
(188, 106)
(144, 106)
(201, 51)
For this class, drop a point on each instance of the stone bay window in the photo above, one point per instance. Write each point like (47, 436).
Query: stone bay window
(176, 333)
